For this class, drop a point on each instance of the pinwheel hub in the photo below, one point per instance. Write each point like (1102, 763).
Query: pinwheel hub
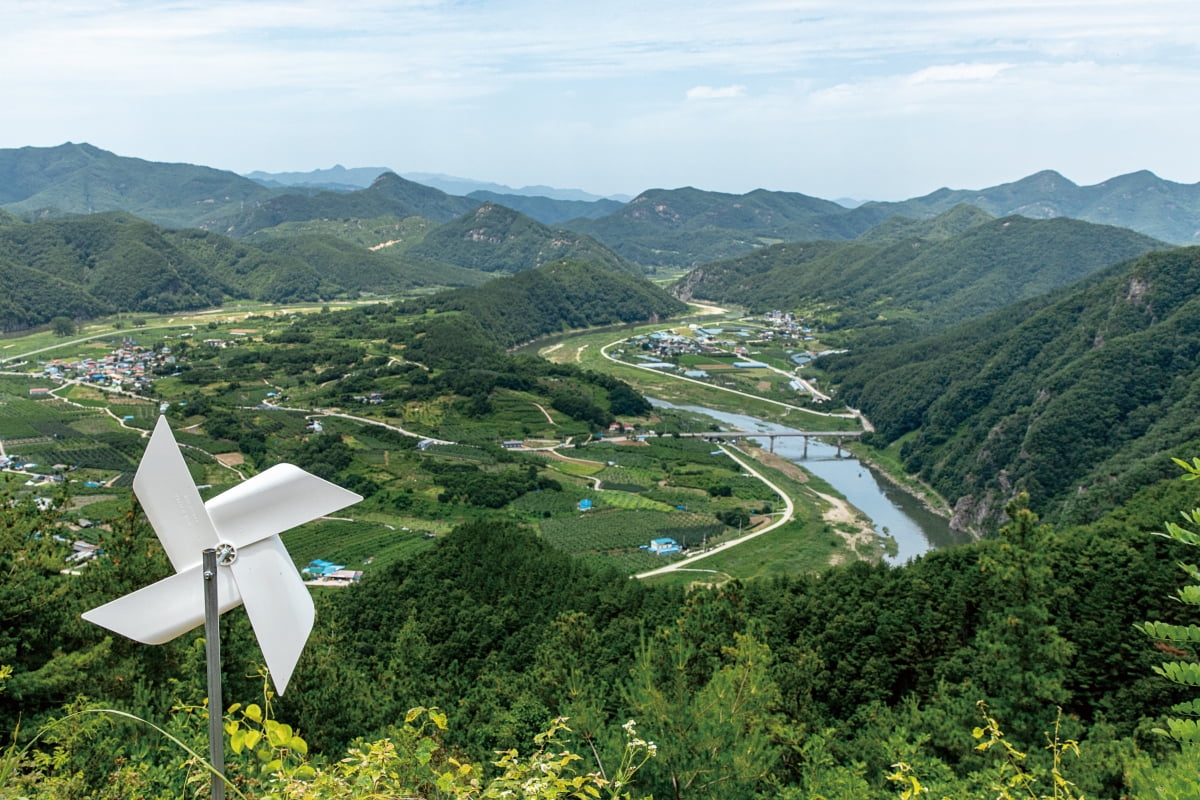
(226, 554)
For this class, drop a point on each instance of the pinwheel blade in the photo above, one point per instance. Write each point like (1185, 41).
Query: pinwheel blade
(167, 493)
(274, 501)
(164, 610)
(278, 603)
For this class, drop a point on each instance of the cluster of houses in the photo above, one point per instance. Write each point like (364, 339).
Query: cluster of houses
(660, 346)
(129, 367)
(372, 399)
(784, 325)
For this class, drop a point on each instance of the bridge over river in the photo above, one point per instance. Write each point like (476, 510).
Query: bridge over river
(838, 436)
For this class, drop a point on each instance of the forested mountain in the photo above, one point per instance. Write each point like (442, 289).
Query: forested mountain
(390, 195)
(82, 179)
(686, 227)
(117, 259)
(494, 238)
(932, 272)
(1077, 399)
(82, 267)
(558, 296)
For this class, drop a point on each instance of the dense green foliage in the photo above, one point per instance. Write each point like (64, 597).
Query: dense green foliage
(1076, 399)
(935, 272)
(558, 296)
(789, 687)
(1171, 639)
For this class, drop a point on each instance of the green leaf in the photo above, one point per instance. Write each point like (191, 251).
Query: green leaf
(1170, 633)
(1184, 672)
(253, 712)
(278, 733)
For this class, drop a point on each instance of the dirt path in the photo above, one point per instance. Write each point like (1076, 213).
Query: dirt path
(549, 419)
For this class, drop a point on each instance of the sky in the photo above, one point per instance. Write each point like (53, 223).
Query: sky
(866, 99)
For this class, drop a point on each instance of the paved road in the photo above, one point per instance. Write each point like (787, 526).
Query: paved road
(789, 513)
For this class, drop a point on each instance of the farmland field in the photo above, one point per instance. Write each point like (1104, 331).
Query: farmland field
(618, 535)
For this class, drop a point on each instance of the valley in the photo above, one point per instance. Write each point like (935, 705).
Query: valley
(550, 410)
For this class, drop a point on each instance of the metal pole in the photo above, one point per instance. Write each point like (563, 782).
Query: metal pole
(212, 652)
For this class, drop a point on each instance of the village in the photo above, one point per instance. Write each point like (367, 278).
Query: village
(130, 368)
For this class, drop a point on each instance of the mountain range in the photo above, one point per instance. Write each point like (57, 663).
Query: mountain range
(679, 228)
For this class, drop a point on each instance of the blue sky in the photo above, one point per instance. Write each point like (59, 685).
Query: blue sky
(866, 99)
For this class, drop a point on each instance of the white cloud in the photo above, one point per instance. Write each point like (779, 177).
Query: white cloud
(715, 93)
(571, 86)
(957, 72)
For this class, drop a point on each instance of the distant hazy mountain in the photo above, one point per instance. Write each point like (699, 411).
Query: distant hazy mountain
(465, 186)
(337, 178)
(341, 178)
(1140, 201)
(935, 272)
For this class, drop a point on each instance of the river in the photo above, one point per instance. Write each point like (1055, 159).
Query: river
(892, 511)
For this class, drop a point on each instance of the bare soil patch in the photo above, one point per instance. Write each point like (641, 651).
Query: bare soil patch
(780, 463)
(230, 459)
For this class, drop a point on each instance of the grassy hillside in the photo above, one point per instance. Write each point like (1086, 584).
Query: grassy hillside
(1077, 399)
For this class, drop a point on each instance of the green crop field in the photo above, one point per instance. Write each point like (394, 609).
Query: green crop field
(630, 500)
(616, 537)
(353, 543)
